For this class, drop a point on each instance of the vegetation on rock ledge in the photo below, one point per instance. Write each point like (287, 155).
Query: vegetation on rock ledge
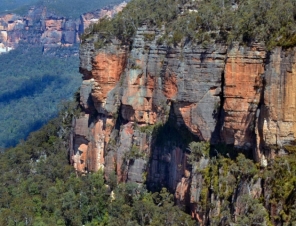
(206, 21)
(237, 182)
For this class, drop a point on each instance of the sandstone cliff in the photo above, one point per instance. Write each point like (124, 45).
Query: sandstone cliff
(41, 27)
(142, 108)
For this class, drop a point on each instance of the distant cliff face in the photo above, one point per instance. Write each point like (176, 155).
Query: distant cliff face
(141, 107)
(42, 27)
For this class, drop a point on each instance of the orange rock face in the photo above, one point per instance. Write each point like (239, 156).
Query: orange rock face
(243, 84)
(278, 123)
(53, 25)
(107, 69)
(90, 143)
(182, 190)
(81, 144)
(186, 118)
(10, 36)
(170, 88)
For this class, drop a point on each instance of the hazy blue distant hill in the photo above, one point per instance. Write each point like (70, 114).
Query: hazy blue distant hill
(67, 8)
(10, 5)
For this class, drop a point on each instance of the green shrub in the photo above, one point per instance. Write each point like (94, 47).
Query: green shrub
(198, 150)
(290, 148)
(134, 153)
(149, 37)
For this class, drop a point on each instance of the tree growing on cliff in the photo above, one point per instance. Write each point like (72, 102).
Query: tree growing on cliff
(198, 150)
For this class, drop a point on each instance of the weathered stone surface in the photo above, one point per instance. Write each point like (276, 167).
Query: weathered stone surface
(107, 67)
(243, 85)
(90, 137)
(143, 100)
(80, 144)
(85, 95)
(238, 95)
(158, 75)
(278, 115)
(136, 170)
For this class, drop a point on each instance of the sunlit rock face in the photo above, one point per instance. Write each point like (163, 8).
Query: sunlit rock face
(243, 73)
(276, 125)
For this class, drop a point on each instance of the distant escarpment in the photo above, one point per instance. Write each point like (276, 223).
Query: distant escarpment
(184, 115)
(41, 27)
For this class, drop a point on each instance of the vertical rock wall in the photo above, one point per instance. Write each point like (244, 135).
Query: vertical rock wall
(143, 107)
(277, 125)
(242, 89)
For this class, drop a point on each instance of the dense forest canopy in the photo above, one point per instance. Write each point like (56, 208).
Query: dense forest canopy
(270, 21)
(67, 8)
(32, 86)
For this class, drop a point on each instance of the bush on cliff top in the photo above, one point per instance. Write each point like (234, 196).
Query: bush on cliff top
(271, 21)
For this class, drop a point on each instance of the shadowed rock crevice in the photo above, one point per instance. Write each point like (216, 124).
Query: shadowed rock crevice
(218, 114)
(168, 158)
(260, 147)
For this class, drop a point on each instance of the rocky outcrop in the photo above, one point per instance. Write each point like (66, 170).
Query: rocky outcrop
(41, 27)
(93, 17)
(146, 104)
(107, 68)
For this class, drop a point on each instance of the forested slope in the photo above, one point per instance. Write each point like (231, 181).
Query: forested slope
(32, 86)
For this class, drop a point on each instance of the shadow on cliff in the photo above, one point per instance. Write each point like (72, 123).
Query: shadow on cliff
(169, 147)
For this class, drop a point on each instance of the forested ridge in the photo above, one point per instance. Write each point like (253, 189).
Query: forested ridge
(206, 21)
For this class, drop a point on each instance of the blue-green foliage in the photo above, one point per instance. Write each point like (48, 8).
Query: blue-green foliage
(32, 86)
